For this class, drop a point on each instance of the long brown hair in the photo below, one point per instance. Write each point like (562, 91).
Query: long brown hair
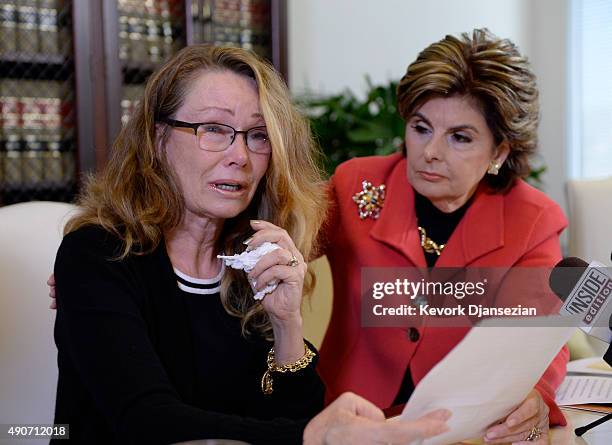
(137, 197)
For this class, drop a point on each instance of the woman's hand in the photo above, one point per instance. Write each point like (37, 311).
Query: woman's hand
(51, 284)
(286, 266)
(352, 419)
(284, 303)
(519, 424)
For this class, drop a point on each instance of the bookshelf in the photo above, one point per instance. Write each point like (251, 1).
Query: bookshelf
(37, 130)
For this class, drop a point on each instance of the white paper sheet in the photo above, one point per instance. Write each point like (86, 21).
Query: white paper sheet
(590, 365)
(577, 390)
(488, 374)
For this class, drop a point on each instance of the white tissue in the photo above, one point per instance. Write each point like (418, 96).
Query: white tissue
(247, 261)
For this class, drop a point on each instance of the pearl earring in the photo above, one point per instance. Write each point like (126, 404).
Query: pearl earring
(494, 167)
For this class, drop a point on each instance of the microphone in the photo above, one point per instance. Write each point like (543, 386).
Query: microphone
(586, 290)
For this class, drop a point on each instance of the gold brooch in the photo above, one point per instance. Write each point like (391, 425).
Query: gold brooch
(370, 200)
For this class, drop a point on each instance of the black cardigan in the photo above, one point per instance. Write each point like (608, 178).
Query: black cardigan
(127, 371)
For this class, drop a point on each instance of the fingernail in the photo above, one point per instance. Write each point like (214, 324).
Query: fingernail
(255, 221)
(248, 240)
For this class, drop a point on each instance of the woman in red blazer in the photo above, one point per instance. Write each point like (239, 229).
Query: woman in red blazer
(454, 198)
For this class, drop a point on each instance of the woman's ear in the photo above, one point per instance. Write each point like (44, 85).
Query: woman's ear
(501, 152)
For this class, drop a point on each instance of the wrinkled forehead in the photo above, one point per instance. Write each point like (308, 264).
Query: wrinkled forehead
(223, 90)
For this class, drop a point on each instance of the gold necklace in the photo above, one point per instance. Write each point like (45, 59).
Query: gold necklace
(429, 245)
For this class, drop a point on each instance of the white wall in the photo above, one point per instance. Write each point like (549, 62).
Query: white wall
(334, 43)
(549, 59)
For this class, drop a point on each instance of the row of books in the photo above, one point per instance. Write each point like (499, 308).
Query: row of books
(148, 30)
(150, 8)
(246, 14)
(251, 6)
(33, 27)
(33, 164)
(232, 36)
(36, 130)
(145, 40)
(35, 107)
(243, 23)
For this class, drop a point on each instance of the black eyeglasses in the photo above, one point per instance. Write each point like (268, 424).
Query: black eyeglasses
(212, 136)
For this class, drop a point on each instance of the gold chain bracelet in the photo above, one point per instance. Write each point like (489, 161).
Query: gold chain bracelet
(266, 380)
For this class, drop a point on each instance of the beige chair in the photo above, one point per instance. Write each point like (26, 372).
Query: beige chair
(317, 308)
(30, 234)
(590, 216)
(590, 238)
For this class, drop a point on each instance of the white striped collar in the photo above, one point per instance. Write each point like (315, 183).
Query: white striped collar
(202, 286)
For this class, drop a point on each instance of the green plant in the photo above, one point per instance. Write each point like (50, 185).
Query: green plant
(346, 126)
(535, 176)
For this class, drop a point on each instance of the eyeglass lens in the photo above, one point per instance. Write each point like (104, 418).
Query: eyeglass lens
(218, 137)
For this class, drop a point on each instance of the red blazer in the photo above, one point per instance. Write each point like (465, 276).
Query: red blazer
(520, 228)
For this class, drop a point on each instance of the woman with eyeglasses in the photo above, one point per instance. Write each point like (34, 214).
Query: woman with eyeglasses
(157, 341)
